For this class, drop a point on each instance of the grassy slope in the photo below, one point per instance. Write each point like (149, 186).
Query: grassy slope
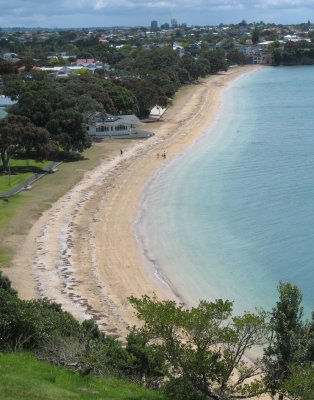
(22, 377)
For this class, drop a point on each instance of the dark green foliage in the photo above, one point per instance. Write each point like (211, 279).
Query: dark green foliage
(38, 105)
(216, 59)
(5, 284)
(55, 111)
(300, 383)
(17, 133)
(147, 362)
(124, 100)
(235, 57)
(66, 128)
(295, 53)
(26, 324)
(286, 347)
(310, 341)
(255, 35)
(147, 93)
(181, 389)
(84, 86)
(104, 356)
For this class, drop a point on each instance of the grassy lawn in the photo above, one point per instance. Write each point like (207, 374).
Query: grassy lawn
(20, 171)
(22, 377)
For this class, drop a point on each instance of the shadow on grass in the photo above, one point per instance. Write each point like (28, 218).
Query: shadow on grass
(22, 169)
(75, 158)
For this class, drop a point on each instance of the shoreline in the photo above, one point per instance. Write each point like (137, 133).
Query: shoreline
(83, 252)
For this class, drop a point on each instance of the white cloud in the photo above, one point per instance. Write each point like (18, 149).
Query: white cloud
(140, 12)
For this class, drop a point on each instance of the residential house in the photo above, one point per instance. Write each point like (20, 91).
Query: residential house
(6, 101)
(263, 57)
(122, 126)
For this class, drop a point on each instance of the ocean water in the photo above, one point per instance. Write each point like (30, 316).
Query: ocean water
(2, 113)
(234, 214)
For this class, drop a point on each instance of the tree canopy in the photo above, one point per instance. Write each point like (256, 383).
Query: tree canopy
(203, 346)
(17, 133)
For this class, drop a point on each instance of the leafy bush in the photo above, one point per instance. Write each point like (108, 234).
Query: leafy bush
(26, 324)
(5, 284)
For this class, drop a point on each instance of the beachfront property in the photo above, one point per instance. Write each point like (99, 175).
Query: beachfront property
(6, 101)
(156, 112)
(121, 126)
(263, 57)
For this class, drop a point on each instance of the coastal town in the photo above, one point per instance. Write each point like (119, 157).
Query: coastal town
(86, 311)
(60, 52)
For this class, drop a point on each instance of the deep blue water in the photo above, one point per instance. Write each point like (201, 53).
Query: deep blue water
(234, 214)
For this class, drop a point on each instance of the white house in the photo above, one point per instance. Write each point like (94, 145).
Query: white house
(6, 101)
(121, 126)
(156, 112)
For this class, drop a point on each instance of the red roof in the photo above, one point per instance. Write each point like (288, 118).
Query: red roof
(85, 61)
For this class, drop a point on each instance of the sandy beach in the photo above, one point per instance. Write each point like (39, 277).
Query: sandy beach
(82, 252)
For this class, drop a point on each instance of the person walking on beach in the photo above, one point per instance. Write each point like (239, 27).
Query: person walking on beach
(121, 152)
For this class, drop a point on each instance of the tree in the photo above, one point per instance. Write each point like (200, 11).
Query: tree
(286, 347)
(147, 93)
(66, 127)
(300, 384)
(203, 346)
(39, 105)
(83, 86)
(255, 34)
(217, 60)
(124, 100)
(17, 133)
(6, 67)
(235, 57)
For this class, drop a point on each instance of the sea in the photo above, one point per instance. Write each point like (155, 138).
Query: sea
(233, 215)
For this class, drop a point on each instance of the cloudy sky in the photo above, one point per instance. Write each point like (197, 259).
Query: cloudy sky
(88, 13)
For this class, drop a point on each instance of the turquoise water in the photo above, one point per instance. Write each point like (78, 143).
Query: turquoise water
(234, 215)
(2, 113)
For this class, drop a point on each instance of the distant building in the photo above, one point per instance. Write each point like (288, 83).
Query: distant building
(154, 25)
(174, 23)
(9, 56)
(165, 26)
(263, 57)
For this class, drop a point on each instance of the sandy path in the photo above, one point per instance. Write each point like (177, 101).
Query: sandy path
(82, 252)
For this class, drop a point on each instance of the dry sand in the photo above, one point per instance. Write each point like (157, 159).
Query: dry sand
(82, 252)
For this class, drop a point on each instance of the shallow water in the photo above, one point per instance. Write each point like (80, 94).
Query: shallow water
(234, 214)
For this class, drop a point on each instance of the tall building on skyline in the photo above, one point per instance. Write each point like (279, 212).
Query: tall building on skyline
(154, 25)
(174, 23)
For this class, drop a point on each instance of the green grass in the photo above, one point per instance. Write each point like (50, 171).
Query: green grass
(20, 171)
(8, 209)
(5, 257)
(22, 377)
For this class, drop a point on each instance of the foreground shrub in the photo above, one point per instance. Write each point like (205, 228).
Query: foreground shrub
(27, 324)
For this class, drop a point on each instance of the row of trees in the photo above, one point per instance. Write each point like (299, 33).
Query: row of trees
(55, 112)
(191, 354)
(293, 53)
